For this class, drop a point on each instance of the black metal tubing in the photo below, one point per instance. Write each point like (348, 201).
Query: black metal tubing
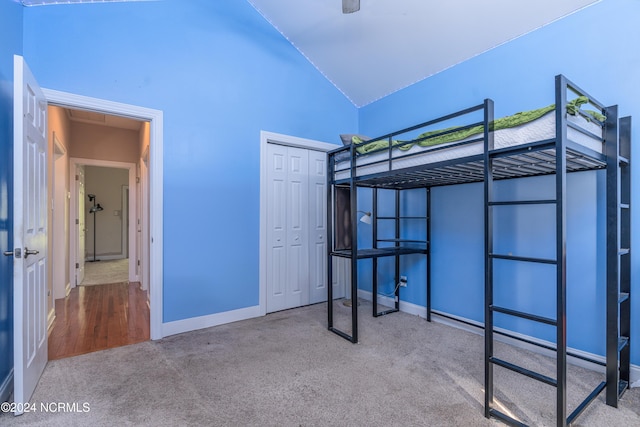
(342, 334)
(354, 251)
(530, 147)
(433, 122)
(561, 249)
(612, 151)
(397, 257)
(488, 261)
(515, 337)
(374, 223)
(418, 140)
(505, 418)
(580, 408)
(625, 261)
(584, 131)
(523, 202)
(330, 187)
(526, 372)
(522, 315)
(381, 252)
(524, 259)
(428, 275)
(384, 313)
(556, 156)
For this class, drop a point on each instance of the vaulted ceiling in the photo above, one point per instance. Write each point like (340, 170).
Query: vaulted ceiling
(391, 44)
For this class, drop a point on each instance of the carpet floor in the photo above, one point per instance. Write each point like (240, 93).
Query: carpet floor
(106, 272)
(287, 369)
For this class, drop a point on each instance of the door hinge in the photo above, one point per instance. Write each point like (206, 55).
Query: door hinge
(138, 262)
(77, 177)
(77, 221)
(77, 265)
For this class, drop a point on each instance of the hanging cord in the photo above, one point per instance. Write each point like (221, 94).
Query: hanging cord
(392, 294)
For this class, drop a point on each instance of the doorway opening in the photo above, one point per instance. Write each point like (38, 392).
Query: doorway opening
(126, 229)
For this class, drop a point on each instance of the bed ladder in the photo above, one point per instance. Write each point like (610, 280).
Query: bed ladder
(559, 261)
(618, 258)
(559, 322)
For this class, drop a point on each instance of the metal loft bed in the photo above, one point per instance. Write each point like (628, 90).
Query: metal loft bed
(570, 148)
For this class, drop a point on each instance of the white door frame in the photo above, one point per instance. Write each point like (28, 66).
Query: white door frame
(290, 141)
(74, 162)
(129, 241)
(155, 118)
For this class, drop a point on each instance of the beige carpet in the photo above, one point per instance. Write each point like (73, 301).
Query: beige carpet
(104, 272)
(287, 370)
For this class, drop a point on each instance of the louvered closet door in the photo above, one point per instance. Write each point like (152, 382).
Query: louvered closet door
(288, 228)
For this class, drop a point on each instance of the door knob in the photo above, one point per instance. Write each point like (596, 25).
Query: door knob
(28, 252)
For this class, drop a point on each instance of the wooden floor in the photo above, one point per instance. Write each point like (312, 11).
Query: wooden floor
(98, 317)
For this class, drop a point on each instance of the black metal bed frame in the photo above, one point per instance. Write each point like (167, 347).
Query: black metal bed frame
(556, 156)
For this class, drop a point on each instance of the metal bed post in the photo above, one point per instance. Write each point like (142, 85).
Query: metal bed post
(625, 255)
(618, 254)
(330, 209)
(397, 257)
(561, 252)
(354, 248)
(374, 224)
(428, 254)
(488, 262)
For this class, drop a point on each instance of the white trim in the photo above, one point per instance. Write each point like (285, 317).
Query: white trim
(58, 147)
(463, 323)
(50, 318)
(210, 320)
(155, 118)
(127, 244)
(291, 141)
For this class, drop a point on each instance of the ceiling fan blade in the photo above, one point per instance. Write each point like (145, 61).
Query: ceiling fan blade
(350, 6)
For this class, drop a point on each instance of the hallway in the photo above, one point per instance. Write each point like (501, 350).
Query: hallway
(99, 317)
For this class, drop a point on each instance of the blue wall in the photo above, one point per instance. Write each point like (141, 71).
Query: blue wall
(11, 36)
(221, 74)
(597, 48)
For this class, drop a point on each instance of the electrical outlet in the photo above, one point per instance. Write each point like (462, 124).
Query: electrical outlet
(403, 281)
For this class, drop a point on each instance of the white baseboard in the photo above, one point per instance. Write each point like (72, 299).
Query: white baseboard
(463, 323)
(6, 388)
(195, 323)
(67, 289)
(50, 318)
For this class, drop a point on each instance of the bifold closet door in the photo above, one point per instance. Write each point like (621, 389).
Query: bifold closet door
(288, 228)
(317, 226)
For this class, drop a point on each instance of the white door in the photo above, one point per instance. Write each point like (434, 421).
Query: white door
(81, 225)
(29, 232)
(288, 228)
(317, 226)
(341, 280)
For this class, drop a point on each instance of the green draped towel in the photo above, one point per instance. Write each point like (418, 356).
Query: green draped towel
(427, 140)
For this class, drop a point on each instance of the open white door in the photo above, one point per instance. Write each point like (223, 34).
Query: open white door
(29, 232)
(81, 229)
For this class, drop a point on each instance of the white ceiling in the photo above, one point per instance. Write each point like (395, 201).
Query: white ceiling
(101, 119)
(391, 44)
